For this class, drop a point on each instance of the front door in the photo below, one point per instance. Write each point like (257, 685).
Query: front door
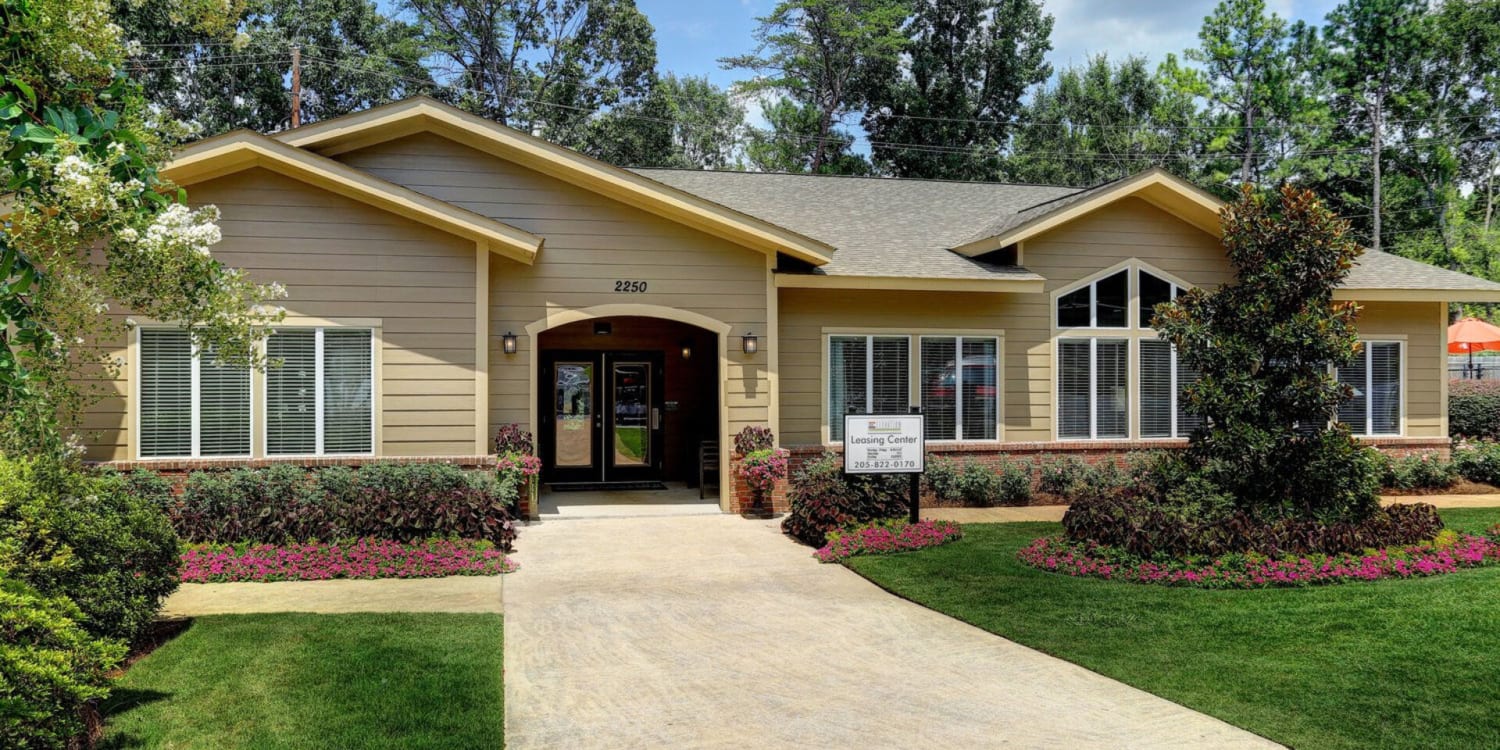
(601, 416)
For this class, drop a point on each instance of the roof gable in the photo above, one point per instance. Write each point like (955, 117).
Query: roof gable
(240, 150)
(421, 114)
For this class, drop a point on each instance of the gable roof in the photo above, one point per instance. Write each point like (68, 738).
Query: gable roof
(1383, 277)
(422, 114)
(240, 150)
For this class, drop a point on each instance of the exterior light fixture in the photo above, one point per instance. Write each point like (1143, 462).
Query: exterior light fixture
(508, 343)
(687, 349)
(750, 343)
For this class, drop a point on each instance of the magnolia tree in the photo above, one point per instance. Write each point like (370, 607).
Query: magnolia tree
(89, 220)
(1266, 345)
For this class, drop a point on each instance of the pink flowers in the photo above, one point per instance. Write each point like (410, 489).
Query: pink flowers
(363, 558)
(882, 537)
(763, 468)
(1448, 553)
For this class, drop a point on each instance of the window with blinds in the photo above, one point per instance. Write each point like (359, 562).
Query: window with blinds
(1163, 377)
(1093, 396)
(320, 392)
(1375, 377)
(867, 375)
(960, 387)
(189, 406)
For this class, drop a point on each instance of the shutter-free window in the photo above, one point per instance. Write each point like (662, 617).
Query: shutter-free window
(960, 387)
(348, 391)
(1164, 412)
(867, 375)
(1074, 400)
(190, 406)
(320, 397)
(1375, 376)
(166, 393)
(1112, 395)
(1154, 291)
(1092, 393)
(940, 386)
(1100, 304)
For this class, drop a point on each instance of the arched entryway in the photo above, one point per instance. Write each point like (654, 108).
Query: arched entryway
(626, 395)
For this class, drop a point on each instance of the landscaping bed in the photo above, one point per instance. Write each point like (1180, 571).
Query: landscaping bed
(303, 680)
(362, 558)
(1392, 663)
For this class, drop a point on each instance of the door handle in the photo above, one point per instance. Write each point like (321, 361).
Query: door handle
(655, 418)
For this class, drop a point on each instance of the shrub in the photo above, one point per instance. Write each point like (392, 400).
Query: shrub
(67, 533)
(513, 438)
(51, 670)
(941, 477)
(401, 502)
(1478, 462)
(887, 536)
(978, 485)
(753, 438)
(824, 499)
(1474, 409)
(1014, 483)
(1060, 475)
(1422, 472)
(1139, 526)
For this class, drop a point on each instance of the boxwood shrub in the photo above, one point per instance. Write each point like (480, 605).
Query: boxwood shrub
(1474, 409)
(823, 499)
(1478, 461)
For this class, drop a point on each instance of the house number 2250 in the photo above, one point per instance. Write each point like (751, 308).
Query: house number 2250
(632, 287)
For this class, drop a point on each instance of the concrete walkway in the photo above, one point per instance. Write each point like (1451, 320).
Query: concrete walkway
(718, 632)
(1054, 513)
(450, 594)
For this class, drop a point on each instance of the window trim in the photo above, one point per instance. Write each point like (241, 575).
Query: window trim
(958, 400)
(318, 389)
(1402, 357)
(194, 395)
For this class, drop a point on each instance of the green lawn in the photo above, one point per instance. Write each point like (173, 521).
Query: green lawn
(1386, 664)
(316, 681)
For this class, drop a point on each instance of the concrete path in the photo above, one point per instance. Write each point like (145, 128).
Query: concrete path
(1054, 513)
(718, 632)
(450, 594)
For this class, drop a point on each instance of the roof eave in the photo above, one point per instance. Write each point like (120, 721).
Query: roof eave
(909, 283)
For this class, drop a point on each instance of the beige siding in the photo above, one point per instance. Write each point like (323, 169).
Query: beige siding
(591, 241)
(341, 259)
(1420, 325)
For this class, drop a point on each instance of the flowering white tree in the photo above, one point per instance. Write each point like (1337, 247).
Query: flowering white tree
(88, 219)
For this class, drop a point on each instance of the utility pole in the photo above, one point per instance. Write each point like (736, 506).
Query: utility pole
(296, 85)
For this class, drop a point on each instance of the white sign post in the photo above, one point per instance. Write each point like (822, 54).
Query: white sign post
(887, 444)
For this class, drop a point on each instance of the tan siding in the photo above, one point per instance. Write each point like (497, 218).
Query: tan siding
(342, 259)
(1420, 325)
(590, 242)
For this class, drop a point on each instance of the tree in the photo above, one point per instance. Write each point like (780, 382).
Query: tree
(1246, 69)
(1103, 121)
(792, 143)
(813, 65)
(1265, 345)
(540, 65)
(353, 57)
(684, 122)
(957, 88)
(91, 221)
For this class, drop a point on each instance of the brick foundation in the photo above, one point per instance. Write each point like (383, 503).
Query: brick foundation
(1089, 451)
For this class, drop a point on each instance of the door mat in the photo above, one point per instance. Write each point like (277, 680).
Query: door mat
(604, 486)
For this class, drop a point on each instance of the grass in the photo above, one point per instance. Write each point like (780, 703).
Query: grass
(304, 680)
(1388, 664)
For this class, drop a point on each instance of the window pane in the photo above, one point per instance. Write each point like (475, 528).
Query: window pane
(939, 387)
(166, 393)
(291, 393)
(1073, 309)
(348, 391)
(1154, 291)
(847, 358)
(1156, 389)
(1073, 398)
(1110, 297)
(980, 389)
(223, 408)
(1187, 421)
(1110, 392)
(892, 391)
(1352, 412)
(1385, 387)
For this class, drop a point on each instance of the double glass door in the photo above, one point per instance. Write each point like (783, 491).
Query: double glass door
(601, 416)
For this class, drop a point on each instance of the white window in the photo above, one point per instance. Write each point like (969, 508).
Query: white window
(320, 399)
(1103, 303)
(1093, 395)
(1163, 377)
(191, 405)
(866, 375)
(960, 387)
(1375, 376)
(1154, 290)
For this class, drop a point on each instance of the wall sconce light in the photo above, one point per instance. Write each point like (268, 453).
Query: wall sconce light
(750, 343)
(508, 343)
(687, 349)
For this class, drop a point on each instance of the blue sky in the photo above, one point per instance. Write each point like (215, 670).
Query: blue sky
(692, 34)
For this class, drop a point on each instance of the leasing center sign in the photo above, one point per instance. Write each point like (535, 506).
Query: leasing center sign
(875, 444)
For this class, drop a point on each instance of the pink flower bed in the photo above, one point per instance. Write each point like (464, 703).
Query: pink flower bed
(1447, 554)
(882, 538)
(364, 558)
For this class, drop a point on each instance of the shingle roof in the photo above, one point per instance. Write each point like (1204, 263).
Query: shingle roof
(1381, 270)
(1004, 223)
(880, 227)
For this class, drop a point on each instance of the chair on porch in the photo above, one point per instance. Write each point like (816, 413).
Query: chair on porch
(708, 463)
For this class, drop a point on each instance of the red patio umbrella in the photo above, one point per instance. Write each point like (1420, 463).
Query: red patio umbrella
(1472, 335)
